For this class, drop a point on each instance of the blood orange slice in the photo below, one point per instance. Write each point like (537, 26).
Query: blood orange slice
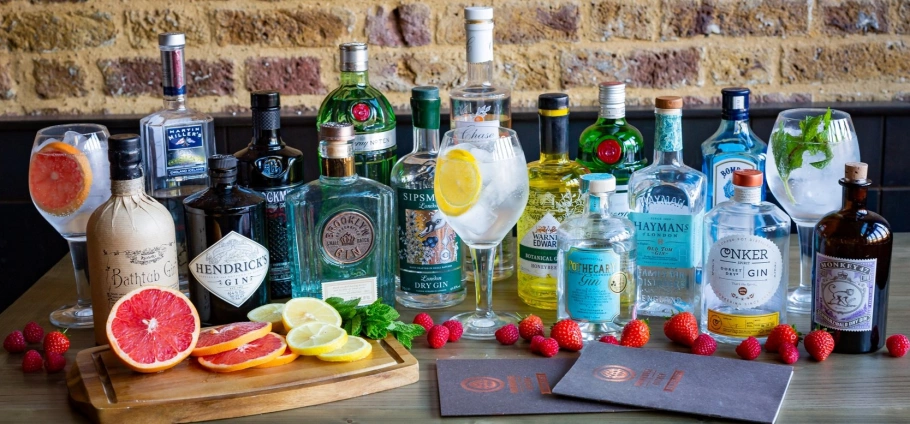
(225, 337)
(59, 178)
(153, 328)
(257, 352)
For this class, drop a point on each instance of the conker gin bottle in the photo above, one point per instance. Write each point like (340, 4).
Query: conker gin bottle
(175, 144)
(272, 168)
(227, 239)
(852, 263)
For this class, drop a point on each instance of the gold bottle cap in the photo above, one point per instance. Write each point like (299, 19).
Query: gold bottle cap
(856, 171)
(668, 102)
(747, 178)
(336, 131)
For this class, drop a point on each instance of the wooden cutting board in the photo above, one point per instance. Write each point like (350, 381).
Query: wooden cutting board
(107, 391)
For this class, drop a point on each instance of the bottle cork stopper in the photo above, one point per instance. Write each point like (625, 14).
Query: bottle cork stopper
(747, 178)
(668, 102)
(856, 171)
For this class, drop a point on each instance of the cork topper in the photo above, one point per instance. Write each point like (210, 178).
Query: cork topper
(856, 171)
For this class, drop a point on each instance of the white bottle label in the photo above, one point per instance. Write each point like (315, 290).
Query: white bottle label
(466, 128)
(613, 111)
(537, 251)
(844, 292)
(479, 39)
(364, 288)
(374, 141)
(723, 178)
(744, 271)
(232, 269)
(619, 201)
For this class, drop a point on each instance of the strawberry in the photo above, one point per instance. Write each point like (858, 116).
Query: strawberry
(14, 342)
(681, 328)
(54, 362)
(609, 339)
(635, 334)
(423, 319)
(568, 335)
(819, 344)
(455, 330)
(32, 361)
(788, 353)
(780, 335)
(898, 345)
(548, 347)
(507, 334)
(438, 336)
(33, 332)
(531, 326)
(56, 342)
(535, 343)
(749, 349)
(704, 345)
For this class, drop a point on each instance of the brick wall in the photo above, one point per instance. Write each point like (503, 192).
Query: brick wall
(100, 56)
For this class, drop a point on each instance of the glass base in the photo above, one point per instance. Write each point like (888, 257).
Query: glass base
(799, 301)
(73, 316)
(479, 326)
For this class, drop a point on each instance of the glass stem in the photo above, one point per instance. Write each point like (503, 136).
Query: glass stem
(806, 249)
(79, 255)
(483, 280)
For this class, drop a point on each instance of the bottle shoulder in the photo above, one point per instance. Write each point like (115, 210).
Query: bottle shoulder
(610, 128)
(568, 170)
(850, 225)
(235, 200)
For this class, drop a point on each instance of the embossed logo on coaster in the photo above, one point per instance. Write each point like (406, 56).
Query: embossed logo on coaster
(614, 373)
(482, 384)
(347, 237)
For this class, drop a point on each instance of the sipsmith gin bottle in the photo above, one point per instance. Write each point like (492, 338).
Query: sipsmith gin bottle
(667, 204)
(344, 228)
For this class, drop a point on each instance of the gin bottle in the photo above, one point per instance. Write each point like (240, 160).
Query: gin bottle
(270, 167)
(429, 253)
(358, 103)
(596, 261)
(734, 146)
(228, 242)
(176, 142)
(667, 204)
(745, 275)
(612, 145)
(344, 228)
(554, 194)
(852, 264)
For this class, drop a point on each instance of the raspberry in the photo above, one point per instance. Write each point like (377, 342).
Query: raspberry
(704, 345)
(788, 353)
(548, 347)
(749, 349)
(33, 332)
(535, 343)
(531, 326)
(898, 345)
(32, 361)
(507, 334)
(54, 362)
(438, 336)
(455, 330)
(568, 335)
(14, 342)
(609, 339)
(423, 319)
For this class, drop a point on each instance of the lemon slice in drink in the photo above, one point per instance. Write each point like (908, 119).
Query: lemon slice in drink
(269, 313)
(302, 310)
(354, 349)
(457, 183)
(316, 338)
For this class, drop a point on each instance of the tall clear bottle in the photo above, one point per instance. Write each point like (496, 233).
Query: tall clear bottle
(360, 104)
(176, 142)
(747, 243)
(596, 264)
(734, 146)
(429, 251)
(554, 194)
(270, 167)
(667, 204)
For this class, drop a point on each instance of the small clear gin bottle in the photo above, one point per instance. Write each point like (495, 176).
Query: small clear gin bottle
(747, 241)
(343, 228)
(596, 264)
(667, 205)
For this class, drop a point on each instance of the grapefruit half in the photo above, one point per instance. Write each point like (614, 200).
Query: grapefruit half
(152, 328)
(257, 352)
(225, 337)
(59, 178)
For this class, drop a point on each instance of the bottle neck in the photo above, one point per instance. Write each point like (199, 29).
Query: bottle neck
(613, 112)
(554, 135)
(267, 128)
(337, 167)
(598, 204)
(480, 73)
(126, 188)
(173, 78)
(748, 195)
(855, 194)
(426, 140)
(360, 78)
(736, 126)
(668, 137)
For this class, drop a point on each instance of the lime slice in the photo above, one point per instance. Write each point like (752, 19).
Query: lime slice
(269, 313)
(315, 338)
(457, 183)
(302, 310)
(354, 349)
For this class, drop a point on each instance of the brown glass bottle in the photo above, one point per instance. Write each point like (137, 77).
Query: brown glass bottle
(852, 264)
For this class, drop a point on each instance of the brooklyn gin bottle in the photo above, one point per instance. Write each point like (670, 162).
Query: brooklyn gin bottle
(429, 253)
(747, 242)
(343, 227)
(272, 168)
(596, 264)
(176, 142)
(852, 264)
(228, 242)
(734, 146)
(554, 194)
(612, 145)
(667, 204)
(357, 102)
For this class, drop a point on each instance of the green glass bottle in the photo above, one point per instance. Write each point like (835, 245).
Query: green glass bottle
(613, 146)
(358, 103)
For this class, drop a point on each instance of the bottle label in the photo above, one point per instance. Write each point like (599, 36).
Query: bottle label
(742, 325)
(374, 141)
(670, 241)
(232, 268)
(128, 270)
(479, 42)
(668, 132)
(744, 271)
(613, 111)
(276, 223)
(474, 127)
(363, 288)
(428, 248)
(173, 81)
(537, 250)
(844, 292)
(185, 150)
(619, 201)
(347, 237)
(723, 178)
(593, 284)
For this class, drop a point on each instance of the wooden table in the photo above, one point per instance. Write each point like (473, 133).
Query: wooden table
(845, 388)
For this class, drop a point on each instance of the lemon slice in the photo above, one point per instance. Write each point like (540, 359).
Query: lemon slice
(316, 338)
(457, 183)
(269, 313)
(302, 310)
(354, 349)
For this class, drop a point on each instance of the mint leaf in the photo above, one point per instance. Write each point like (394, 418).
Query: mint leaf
(405, 333)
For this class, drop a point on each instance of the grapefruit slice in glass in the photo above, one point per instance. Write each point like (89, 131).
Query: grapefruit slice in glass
(225, 337)
(257, 352)
(59, 178)
(152, 328)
